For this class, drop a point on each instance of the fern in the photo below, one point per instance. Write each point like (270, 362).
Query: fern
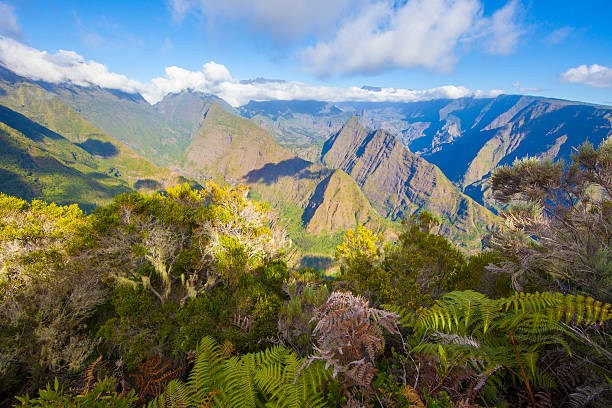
(467, 329)
(272, 377)
(468, 311)
(206, 374)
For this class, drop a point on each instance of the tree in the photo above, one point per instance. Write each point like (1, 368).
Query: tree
(423, 265)
(418, 267)
(558, 227)
(47, 293)
(360, 257)
(186, 263)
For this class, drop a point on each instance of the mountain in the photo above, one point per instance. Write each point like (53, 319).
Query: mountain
(301, 126)
(36, 162)
(227, 146)
(399, 183)
(184, 110)
(466, 138)
(125, 117)
(338, 204)
(316, 204)
(317, 163)
(59, 156)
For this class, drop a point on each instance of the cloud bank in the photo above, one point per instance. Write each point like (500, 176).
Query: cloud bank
(62, 66)
(216, 79)
(364, 36)
(70, 67)
(419, 33)
(595, 75)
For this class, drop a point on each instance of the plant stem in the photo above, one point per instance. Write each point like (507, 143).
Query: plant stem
(518, 358)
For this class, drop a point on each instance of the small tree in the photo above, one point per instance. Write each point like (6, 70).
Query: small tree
(418, 267)
(47, 294)
(558, 227)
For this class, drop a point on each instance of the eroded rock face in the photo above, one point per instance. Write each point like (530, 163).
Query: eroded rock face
(466, 138)
(227, 147)
(337, 204)
(398, 183)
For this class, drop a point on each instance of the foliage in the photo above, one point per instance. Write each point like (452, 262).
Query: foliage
(149, 278)
(273, 377)
(306, 292)
(474, 339)
(188, 263)
(425, 265)
(349, 336)
(102, 395)
(416, 268)
(557, 232)
(47, 294)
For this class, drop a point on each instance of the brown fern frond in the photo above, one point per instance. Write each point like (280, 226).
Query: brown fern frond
(412, 396)
(544, 399)
(244, 323)
(153, 378)
(349, 337)
(89, 374)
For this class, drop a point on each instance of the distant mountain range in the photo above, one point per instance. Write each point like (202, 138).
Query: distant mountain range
(466, 138)
(323, 167)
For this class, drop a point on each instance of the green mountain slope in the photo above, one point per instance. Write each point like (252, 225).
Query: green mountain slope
(398, 183)
(338, 204)
(110, 155)
(38, 163)
(185, 110)
(127, 118)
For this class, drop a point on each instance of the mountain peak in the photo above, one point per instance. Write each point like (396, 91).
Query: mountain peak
(228, 146)
(398, 183)
(337, 204)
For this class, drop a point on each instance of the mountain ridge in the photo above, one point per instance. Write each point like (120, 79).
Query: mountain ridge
(398, 183)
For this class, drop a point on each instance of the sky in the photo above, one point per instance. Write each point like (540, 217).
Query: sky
(333, 50)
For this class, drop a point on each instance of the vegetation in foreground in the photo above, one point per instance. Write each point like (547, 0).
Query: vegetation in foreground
(184, 298)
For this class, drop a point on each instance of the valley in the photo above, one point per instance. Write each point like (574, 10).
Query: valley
(323, 167)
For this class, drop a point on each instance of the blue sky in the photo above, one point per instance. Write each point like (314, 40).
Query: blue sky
(323, 49)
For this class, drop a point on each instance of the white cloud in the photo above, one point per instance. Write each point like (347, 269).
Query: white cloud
(283, 19)
(8, 22)
(70, 67)
(62, 66)
(559, 35)
(216, 79)
(502, 31)
(595, 75)
(417, 33)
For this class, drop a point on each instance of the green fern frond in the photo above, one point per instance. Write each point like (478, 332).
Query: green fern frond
(176, 395)
(272, 377)
(207, 374)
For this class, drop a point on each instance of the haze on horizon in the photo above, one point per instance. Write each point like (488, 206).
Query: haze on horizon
(325, 50)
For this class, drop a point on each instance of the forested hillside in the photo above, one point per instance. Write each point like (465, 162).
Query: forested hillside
(184, 297)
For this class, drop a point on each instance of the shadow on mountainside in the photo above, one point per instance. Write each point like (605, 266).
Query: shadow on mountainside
(271, 172)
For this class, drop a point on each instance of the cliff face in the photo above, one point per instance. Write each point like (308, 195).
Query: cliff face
(337, 204)
(466, 138)
(398, 183)
(227, 147)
